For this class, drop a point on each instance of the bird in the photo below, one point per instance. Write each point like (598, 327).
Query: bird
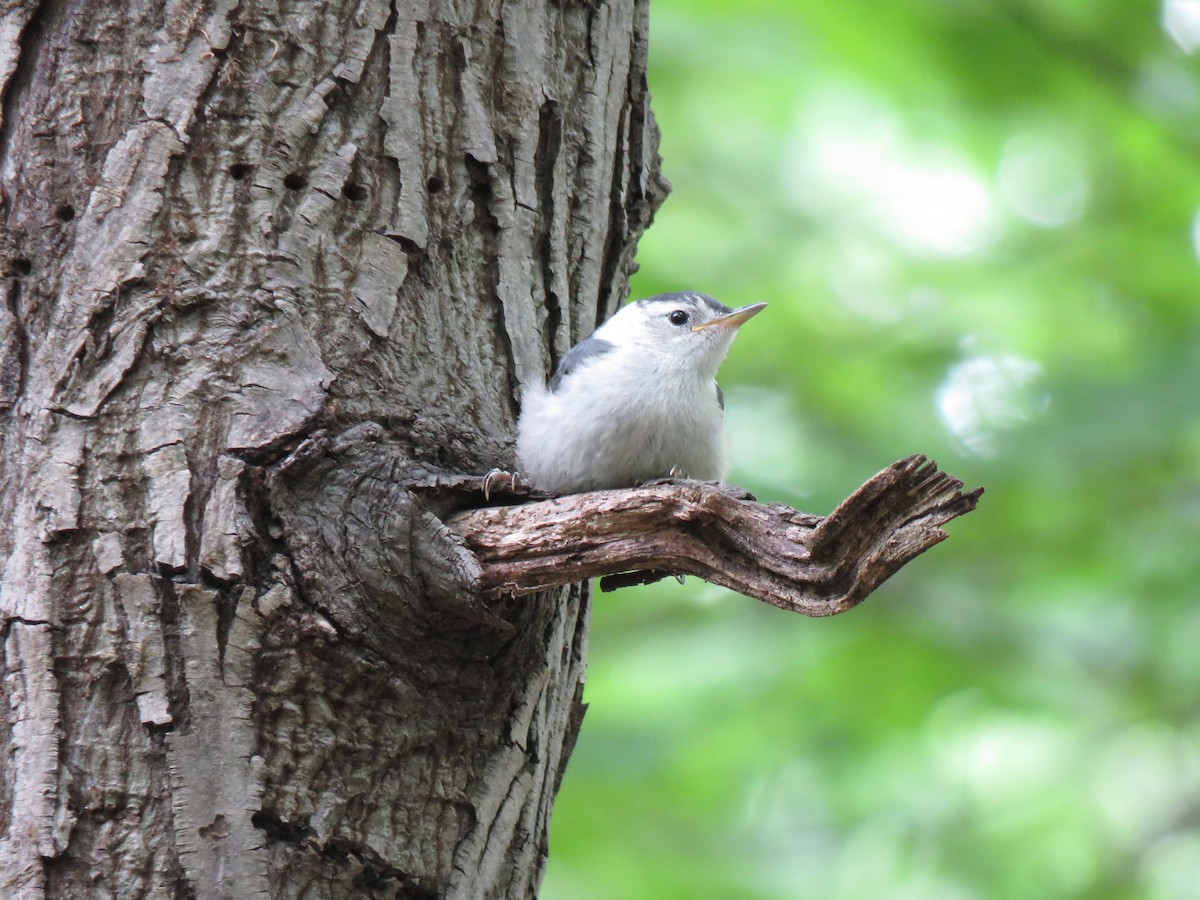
(635, 400)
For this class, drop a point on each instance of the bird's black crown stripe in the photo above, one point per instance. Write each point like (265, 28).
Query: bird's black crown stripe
(716, 307)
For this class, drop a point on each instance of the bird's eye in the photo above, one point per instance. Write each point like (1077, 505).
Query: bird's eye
(678, 317)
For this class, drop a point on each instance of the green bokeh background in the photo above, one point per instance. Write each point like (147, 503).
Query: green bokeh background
(975, 225)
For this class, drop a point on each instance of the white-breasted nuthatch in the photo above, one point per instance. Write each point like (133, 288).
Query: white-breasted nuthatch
(636, 400)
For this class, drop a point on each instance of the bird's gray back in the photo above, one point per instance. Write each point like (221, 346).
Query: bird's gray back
(585, 350)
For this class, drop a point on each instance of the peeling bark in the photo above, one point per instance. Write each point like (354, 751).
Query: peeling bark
(228, 231)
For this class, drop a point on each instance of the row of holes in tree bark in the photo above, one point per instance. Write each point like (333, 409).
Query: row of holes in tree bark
(294, 181)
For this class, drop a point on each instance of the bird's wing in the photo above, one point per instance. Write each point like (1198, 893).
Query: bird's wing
(585, 350)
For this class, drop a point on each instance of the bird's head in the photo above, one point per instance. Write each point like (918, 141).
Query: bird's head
(684, 329)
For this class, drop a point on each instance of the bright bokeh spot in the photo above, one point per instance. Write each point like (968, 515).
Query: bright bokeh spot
(1181, 19)
(850, 161)
(1042, 180)
(984, 396)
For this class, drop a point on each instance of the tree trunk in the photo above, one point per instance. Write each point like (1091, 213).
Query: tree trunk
(266, 265)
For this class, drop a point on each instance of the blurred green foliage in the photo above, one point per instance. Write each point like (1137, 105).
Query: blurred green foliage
(975, 223)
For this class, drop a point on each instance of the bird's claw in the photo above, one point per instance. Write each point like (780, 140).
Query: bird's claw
(676, 472)
(499, 477)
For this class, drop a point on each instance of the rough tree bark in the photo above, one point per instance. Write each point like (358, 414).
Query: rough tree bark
(266, 262)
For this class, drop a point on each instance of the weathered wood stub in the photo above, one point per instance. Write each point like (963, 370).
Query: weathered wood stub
(264, 262)
(814, 565)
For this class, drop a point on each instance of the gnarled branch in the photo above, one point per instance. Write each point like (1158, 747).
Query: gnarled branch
(793, 560)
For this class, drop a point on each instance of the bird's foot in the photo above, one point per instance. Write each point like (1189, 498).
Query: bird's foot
(499, 478)
(677, 472)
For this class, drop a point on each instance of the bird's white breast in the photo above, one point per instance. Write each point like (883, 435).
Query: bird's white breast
(622, 419)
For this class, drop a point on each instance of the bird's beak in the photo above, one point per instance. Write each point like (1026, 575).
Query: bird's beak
(733, 319)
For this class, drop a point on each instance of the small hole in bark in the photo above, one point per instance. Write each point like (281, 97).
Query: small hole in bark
(434, 185)
(21, 266)
(65, 213)
(294, 181)
(238, 171)
(355, 192)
